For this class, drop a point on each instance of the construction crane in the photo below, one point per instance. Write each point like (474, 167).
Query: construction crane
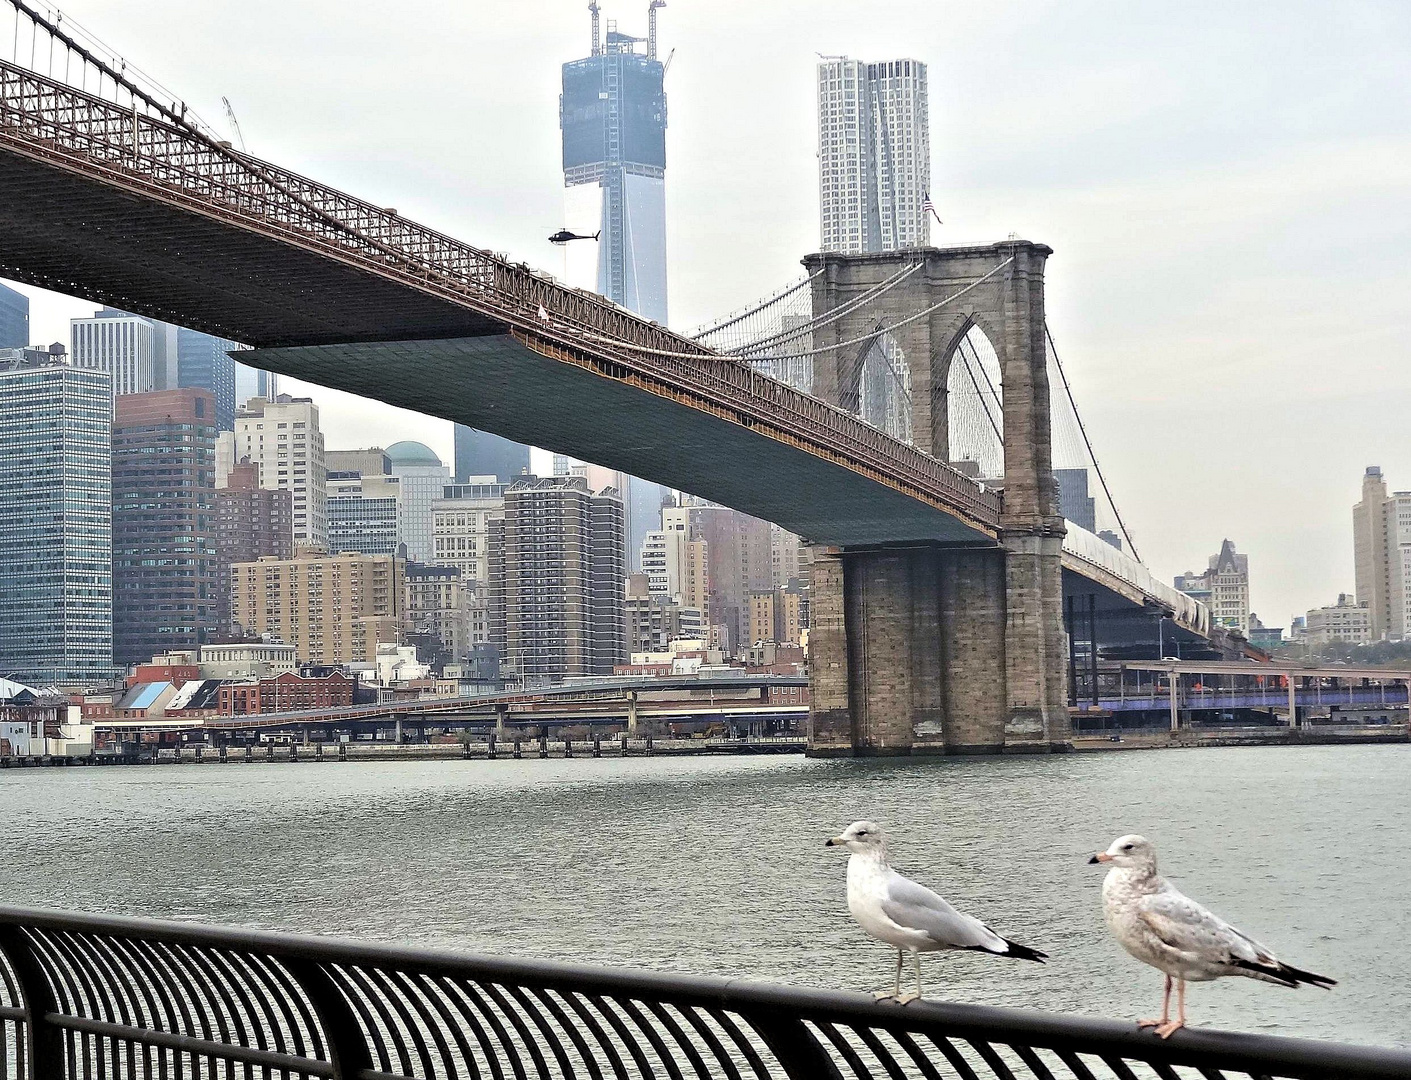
(597, 46)
(652, 27)
(234, 123)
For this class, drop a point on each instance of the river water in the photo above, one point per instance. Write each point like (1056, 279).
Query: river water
(717, 865)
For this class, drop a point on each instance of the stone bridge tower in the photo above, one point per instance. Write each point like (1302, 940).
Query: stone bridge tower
(939, 649)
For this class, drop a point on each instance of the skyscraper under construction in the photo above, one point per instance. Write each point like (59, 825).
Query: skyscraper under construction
(613, 117)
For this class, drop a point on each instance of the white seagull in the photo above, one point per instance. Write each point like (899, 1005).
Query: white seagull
(1161, 926)
(908, 916)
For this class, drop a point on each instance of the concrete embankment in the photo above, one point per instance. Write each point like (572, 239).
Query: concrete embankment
(1320, 735)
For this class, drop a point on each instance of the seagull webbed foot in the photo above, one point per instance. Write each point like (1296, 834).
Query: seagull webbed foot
(907, 999)
(1169, 1028)
(1151, 1023)
(884, 995)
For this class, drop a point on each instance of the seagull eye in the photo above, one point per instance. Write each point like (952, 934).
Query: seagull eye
(1126, 847)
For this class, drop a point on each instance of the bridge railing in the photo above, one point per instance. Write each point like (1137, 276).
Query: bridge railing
(95, 997)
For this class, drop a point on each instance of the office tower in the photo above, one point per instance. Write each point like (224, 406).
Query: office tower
(369, 461)
(874, 155)
(363, 513)
(282, 439)
(460, 528)
(164, 528)
(333, 609)
(675, 567)
(166, 353)
(422, 479)
(1224, 586)
(613, 117)
(250, 524)
(788, 557)
(204, 361)
(739, 562)
(1381, 541)
(653, 621)
(364, 502)
(14, 319)
(56, 554)
(119, 344)
(478, 453)
(252, 382)
(438, 609)
(557, 564)
(1074, 502)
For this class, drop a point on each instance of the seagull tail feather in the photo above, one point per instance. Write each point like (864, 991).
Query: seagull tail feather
(1023, 952)
(1286, 975)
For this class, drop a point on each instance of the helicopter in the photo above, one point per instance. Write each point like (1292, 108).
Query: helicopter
(563, 236)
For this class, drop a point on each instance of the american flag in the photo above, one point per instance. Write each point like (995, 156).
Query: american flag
(928, 207)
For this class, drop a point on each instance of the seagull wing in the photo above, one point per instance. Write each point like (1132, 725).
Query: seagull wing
(916, 907)
(1202, 936)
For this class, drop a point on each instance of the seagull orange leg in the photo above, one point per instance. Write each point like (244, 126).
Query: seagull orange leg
(1169, 1028)
(1165, 1009)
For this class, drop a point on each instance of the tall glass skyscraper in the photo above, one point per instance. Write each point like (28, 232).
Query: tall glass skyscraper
(252, 382)
(478, 453)
(204, 362)
(874, 155)
(56, 536)
(613, 117)
(14, 319)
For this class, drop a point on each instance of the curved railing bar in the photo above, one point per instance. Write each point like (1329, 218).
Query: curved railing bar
(71, 972)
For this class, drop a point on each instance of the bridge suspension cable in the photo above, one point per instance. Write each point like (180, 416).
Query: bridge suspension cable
(829, 317)
(1087, 442)
(76, 41)
(648, 351)
(711, 329)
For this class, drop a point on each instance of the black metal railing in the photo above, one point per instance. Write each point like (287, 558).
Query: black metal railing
(98, 997)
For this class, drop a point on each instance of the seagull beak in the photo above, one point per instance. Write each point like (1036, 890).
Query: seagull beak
(835, 841)
(1100, 857)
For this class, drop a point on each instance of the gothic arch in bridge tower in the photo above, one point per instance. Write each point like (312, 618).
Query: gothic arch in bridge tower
(944, 649)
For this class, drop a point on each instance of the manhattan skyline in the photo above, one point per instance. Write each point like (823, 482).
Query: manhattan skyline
(1207, 273)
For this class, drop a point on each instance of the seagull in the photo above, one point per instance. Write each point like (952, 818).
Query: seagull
(1161, 926)
(908, 916)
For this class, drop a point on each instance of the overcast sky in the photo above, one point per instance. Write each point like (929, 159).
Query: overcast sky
(1225, 186)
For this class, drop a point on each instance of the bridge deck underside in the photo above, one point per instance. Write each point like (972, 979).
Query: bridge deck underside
(68, 233)
(498, 384)
(1124, 623)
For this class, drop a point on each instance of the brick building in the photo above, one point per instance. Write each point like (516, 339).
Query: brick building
(251, 522)
(287, 692)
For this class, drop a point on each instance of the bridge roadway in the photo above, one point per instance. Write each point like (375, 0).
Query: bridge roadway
(672, 699)
(122, 205)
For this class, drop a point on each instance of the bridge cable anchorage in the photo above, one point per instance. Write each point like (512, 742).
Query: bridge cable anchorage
(832, 316)
(649, 351)
(1082, 428)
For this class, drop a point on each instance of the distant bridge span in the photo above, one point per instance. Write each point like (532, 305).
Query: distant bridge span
(122, 204)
